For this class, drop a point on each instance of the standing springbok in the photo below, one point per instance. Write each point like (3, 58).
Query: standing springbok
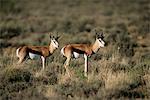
(75, 50)
(37, 51)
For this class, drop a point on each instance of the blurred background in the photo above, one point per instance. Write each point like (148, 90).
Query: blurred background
(120, 70)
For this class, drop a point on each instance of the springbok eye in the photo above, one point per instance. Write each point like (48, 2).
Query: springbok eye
(100, 39)
(54, 42)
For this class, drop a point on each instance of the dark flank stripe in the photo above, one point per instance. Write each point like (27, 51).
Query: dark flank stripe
(34, 51)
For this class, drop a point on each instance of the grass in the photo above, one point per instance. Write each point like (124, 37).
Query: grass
(106, 79)
(121, 70)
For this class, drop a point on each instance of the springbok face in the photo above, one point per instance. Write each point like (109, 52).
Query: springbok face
(101, 42)
(54, 43)
(100, 39)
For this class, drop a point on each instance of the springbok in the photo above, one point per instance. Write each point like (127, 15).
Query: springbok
(75, 50)
(33, 52)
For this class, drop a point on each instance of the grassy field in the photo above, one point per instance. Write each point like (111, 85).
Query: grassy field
(121, 70)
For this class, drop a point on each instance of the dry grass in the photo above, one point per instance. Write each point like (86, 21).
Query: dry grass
(121, 70)
(107, 72)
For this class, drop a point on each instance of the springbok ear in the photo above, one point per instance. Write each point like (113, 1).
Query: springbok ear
(50, 35)
(97, 35)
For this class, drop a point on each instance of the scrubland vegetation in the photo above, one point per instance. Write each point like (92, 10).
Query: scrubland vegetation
(121, 70)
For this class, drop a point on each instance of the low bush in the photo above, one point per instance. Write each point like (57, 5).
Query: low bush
(123, 43)
(17, 75)
(79, 89)
(10, 6)
(14, 80)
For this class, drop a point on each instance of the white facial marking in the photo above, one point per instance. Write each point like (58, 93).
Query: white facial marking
(54, 43)
(101, 43)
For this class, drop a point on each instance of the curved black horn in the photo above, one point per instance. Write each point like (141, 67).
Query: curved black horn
(58, 36)
(101, 35)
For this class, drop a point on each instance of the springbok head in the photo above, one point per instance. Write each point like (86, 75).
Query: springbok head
(54, 41)
(99, 38)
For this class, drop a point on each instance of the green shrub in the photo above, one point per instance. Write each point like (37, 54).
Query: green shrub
(48, 79)
(9, 32)
(123, 43)
(79, 89)
(14, 80)
(10, 6)
(16, 75)
(11, 29)
(4, 44)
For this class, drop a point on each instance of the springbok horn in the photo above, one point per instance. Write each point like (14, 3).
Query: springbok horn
(101, 35)
(58, 36)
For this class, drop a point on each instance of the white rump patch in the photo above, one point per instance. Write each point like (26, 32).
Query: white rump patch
(17, 52)
(34, 56)
(76, 55)
(62, 51)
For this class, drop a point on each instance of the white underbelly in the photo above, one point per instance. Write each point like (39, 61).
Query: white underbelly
(34, 56)
(76, 55)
